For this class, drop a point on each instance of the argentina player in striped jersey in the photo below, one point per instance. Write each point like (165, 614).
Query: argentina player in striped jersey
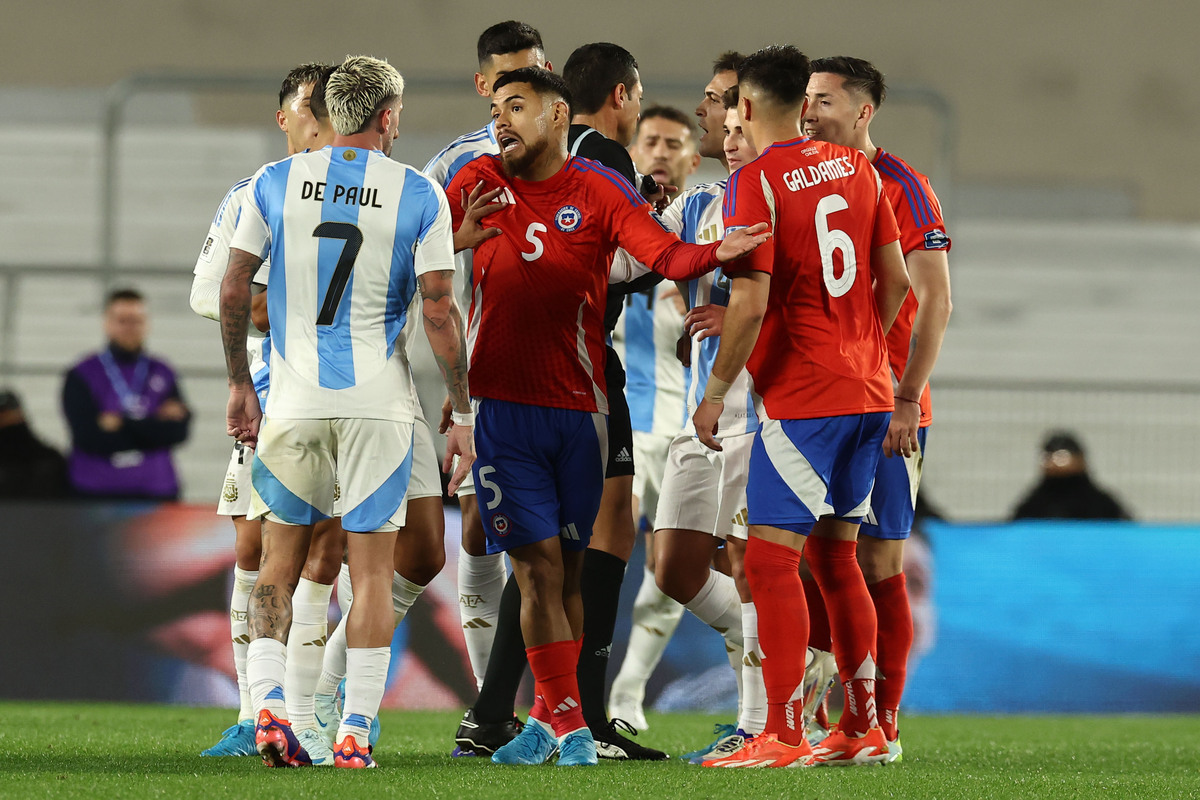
(501, 48)
(351, 234)
(303, 129)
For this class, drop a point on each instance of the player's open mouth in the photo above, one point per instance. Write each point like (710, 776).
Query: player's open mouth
(509, 143)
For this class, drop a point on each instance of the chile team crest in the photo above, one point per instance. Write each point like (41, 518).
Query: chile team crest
(567, 219)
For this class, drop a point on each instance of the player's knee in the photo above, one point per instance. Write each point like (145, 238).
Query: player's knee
(248, 554)
(676, 578)
(422, 569)
(473, 539)
(323, 564)
(247, 543)
(541, 583)
(880, 559)
(322, 568)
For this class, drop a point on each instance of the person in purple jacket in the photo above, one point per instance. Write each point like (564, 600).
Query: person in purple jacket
(125, 412)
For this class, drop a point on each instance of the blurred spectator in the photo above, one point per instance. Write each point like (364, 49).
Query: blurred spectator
(29, 469)
(1066, 490)
(125, 411)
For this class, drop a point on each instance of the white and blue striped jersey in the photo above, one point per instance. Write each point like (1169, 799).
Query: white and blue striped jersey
(347, 231)
(696, 217)
(442, 168)
(645, 338)
(210, 270)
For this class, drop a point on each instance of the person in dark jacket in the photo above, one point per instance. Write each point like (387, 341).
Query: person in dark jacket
(29, 468)
(125, 411)
(1066, 490)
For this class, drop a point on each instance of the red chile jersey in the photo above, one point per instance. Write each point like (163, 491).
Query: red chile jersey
(821, 349)
(539, 290)
(919, 216)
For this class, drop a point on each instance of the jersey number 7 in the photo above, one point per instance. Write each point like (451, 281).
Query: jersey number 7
(341, 273)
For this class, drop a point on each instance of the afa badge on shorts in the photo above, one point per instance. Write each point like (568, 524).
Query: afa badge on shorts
(229, 492)
(567, 219)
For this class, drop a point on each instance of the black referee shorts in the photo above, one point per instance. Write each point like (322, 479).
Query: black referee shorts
(620, 427)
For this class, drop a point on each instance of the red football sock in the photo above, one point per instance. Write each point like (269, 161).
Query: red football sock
(540, 711)
(818, 617)
(894, 643)
(852, 624)
(553, 666)
(772, 570)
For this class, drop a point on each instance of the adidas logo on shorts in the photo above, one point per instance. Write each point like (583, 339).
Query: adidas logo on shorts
(623, 457)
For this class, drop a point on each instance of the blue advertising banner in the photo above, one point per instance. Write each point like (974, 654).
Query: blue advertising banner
(1087, 617)
(130, 601)
(1063, 617)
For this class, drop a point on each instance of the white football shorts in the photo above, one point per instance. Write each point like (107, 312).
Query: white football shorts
(235, 492)
(705, 490)
(299, 462)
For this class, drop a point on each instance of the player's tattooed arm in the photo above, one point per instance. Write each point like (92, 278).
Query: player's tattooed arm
(235, 313)
(242, 413)
(444, 328)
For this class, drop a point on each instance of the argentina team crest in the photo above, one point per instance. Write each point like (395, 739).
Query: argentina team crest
(568, 219)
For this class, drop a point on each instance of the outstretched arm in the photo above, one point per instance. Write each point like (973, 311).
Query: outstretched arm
(648, 242)
(444, 329)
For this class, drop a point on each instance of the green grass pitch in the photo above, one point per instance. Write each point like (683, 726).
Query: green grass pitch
(125, 751)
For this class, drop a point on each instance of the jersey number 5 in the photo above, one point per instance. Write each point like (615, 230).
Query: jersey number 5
(831, 240)
(353, 239)
(531, 236)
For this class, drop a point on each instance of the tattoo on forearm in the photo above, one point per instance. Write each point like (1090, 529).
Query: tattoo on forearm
(235, 315)
(269, 614)
(451, 356)
(447, 339)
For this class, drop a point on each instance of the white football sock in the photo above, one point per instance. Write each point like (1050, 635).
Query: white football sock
(264, 672)
(306, 650)
(655, 618)
(335, 666)
(345, 592)
(717, 605)
(735, 656)
(239, 629)
(753, 715)
(404, 594)
(481, 581)
(366, 679)
(333, 669)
